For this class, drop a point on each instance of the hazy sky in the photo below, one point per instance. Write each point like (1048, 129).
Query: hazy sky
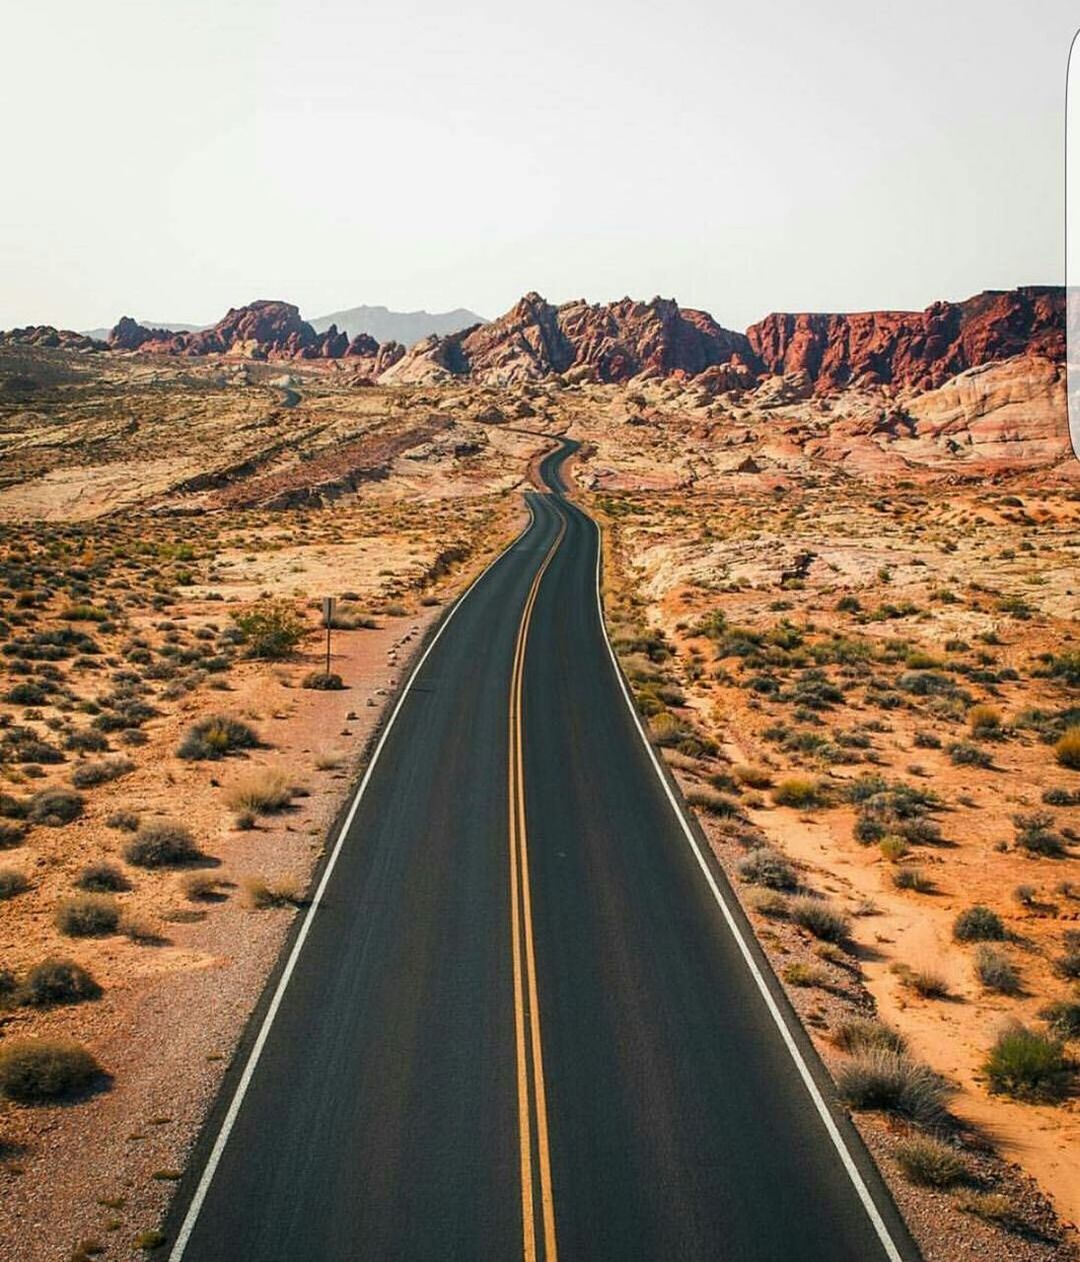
(168, 160)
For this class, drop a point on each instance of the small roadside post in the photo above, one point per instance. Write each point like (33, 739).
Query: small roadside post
(329, 604)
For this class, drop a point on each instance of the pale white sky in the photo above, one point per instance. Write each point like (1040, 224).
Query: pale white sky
(168, 160)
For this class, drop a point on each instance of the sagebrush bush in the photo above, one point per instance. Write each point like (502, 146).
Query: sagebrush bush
(54, 807)
(33, 1070)
(87, 916)
(766, 901)
(264, 790)
(909, 877)
(216, 736)
(820, 917)
(11, 834)
(57, 981)
(88, 774)
(161, 843)
(995, 970)
(887, 1080)
(713, 803)
(863, 1034)
(931, 1163)
(978, 924)
(765, 866)
(1036, 835)
(964, 754)
(925, 982)
(102, 878)
(1027, 1065)
(1063, 1018)
(12, 882)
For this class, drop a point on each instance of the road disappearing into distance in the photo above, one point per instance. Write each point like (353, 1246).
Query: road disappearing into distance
(523, 1017)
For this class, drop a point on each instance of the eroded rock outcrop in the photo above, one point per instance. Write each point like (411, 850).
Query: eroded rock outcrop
(601, 342)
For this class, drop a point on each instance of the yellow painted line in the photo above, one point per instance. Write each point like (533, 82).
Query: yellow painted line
(521, 916)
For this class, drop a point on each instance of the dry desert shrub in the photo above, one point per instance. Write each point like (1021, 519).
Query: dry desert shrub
(264, 790)
(931, 1163)
(38, 1070)
(161, 843)
(88, 916)
(890, 1081)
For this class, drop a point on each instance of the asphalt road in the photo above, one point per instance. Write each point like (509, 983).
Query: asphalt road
(519, 1022)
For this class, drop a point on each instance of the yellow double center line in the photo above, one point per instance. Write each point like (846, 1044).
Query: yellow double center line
(526, 1004)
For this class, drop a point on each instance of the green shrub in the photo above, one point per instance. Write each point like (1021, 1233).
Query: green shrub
(57, 981)
(87, 916)
(271, 629)
(820, 917)
(800, 793)
(216, 736)
(886, 1080)
(102, 878)
(978, 924)
(1027, 1065)
(930, 1163)
(35, 1070)
(54, 807)
(161, 843)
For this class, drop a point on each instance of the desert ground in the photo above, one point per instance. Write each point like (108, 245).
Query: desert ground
(854, 639)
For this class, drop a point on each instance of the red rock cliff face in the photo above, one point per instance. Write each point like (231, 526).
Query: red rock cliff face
(920, 350)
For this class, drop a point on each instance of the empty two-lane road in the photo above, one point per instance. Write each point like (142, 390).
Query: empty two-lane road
(522, 1018)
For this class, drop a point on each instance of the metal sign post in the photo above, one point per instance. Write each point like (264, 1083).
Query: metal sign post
(329, 604)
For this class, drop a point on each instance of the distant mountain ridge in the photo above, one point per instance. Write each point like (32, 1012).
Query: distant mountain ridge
(406, 327)
(814, 352)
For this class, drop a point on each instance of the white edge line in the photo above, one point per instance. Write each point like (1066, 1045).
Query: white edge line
(210, 1169)
(839, 1143)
